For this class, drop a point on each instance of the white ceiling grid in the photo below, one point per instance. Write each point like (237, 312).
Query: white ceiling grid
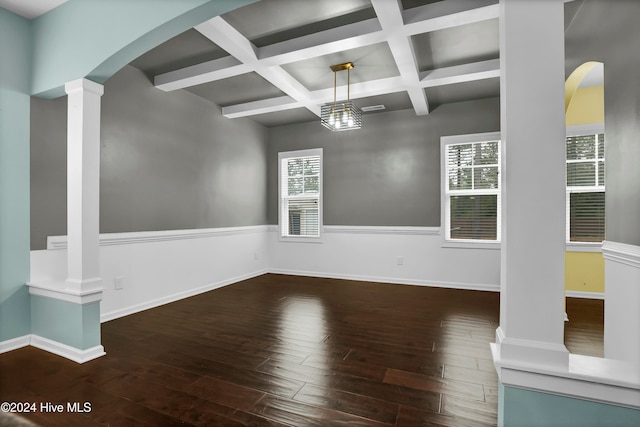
(393, 25)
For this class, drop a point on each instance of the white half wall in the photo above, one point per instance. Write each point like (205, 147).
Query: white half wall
(622, 299)
(159, 267)
(409, 255)
(156, 268)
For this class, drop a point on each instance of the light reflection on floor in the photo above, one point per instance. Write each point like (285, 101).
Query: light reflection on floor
(303, 329)
(474, 333)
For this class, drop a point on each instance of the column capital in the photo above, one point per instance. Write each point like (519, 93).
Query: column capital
(84, 85)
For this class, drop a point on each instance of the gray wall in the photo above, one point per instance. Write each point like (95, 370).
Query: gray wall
(48, 170)
(388, 172)
(607, 31)
(168, 161)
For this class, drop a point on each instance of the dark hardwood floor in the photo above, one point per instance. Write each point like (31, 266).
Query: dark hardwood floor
(284, 350)
(584, 332)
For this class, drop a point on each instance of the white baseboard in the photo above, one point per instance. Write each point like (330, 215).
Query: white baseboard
(68, 352)
(585, 295)
(14, 343)
(390, 280)
(105, 317)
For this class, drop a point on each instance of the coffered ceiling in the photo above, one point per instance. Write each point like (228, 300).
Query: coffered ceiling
(269, 61)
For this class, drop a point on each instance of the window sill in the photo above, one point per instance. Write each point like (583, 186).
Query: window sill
(300, 239)
(469, 244)
(583, 247)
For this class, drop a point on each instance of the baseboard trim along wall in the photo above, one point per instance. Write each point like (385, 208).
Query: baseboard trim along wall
(15, 343)
(585, 295)
(390, 280)
(63, 350)
(71, 353)
(402, 255)
(115, 314)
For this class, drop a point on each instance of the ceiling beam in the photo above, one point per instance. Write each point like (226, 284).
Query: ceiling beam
(460, 73)
(438, 77)
(358, 90)
(448, 14)
(228, 38)
(253, 108)
(351, 36)
(389, 14)
(205, 72)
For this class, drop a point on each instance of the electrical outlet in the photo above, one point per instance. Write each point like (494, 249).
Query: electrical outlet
(118, 282)
(256, 256)
(400, 260)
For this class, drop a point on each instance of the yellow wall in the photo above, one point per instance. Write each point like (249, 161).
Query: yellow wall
(584, 271)
(586, 107)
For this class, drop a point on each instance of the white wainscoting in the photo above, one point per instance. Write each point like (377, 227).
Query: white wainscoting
(622, 291)
(164, 266)
(160, 267)
(409, 255)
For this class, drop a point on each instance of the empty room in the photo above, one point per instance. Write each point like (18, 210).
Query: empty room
(320, 213)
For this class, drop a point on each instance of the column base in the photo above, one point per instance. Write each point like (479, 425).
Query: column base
(527, 353)
(71, 353)
(63, 350)
(69, 327)
(589, 378)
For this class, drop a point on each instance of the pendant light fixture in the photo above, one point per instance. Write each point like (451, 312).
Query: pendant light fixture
(341, 115)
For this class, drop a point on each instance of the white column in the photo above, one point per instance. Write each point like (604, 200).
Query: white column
(531, 328)
(83, 184)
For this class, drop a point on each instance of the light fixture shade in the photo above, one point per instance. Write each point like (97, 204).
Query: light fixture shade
(342, 115)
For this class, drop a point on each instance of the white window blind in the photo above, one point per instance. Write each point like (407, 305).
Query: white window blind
(585, 188)
(300, 193)
(472, 190)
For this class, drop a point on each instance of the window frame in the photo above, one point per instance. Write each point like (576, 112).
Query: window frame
(445, 195)
(282, 157)
(579, 130)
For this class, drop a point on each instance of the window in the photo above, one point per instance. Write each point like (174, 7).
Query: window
(585, 187)
(300, 193)
(471, 184)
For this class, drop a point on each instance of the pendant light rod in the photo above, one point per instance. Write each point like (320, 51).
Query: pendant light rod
(348, 84)
(341, 67)
(335, 75)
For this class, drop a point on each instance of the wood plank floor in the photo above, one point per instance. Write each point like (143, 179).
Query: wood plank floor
(584, 332)
(284, 350)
